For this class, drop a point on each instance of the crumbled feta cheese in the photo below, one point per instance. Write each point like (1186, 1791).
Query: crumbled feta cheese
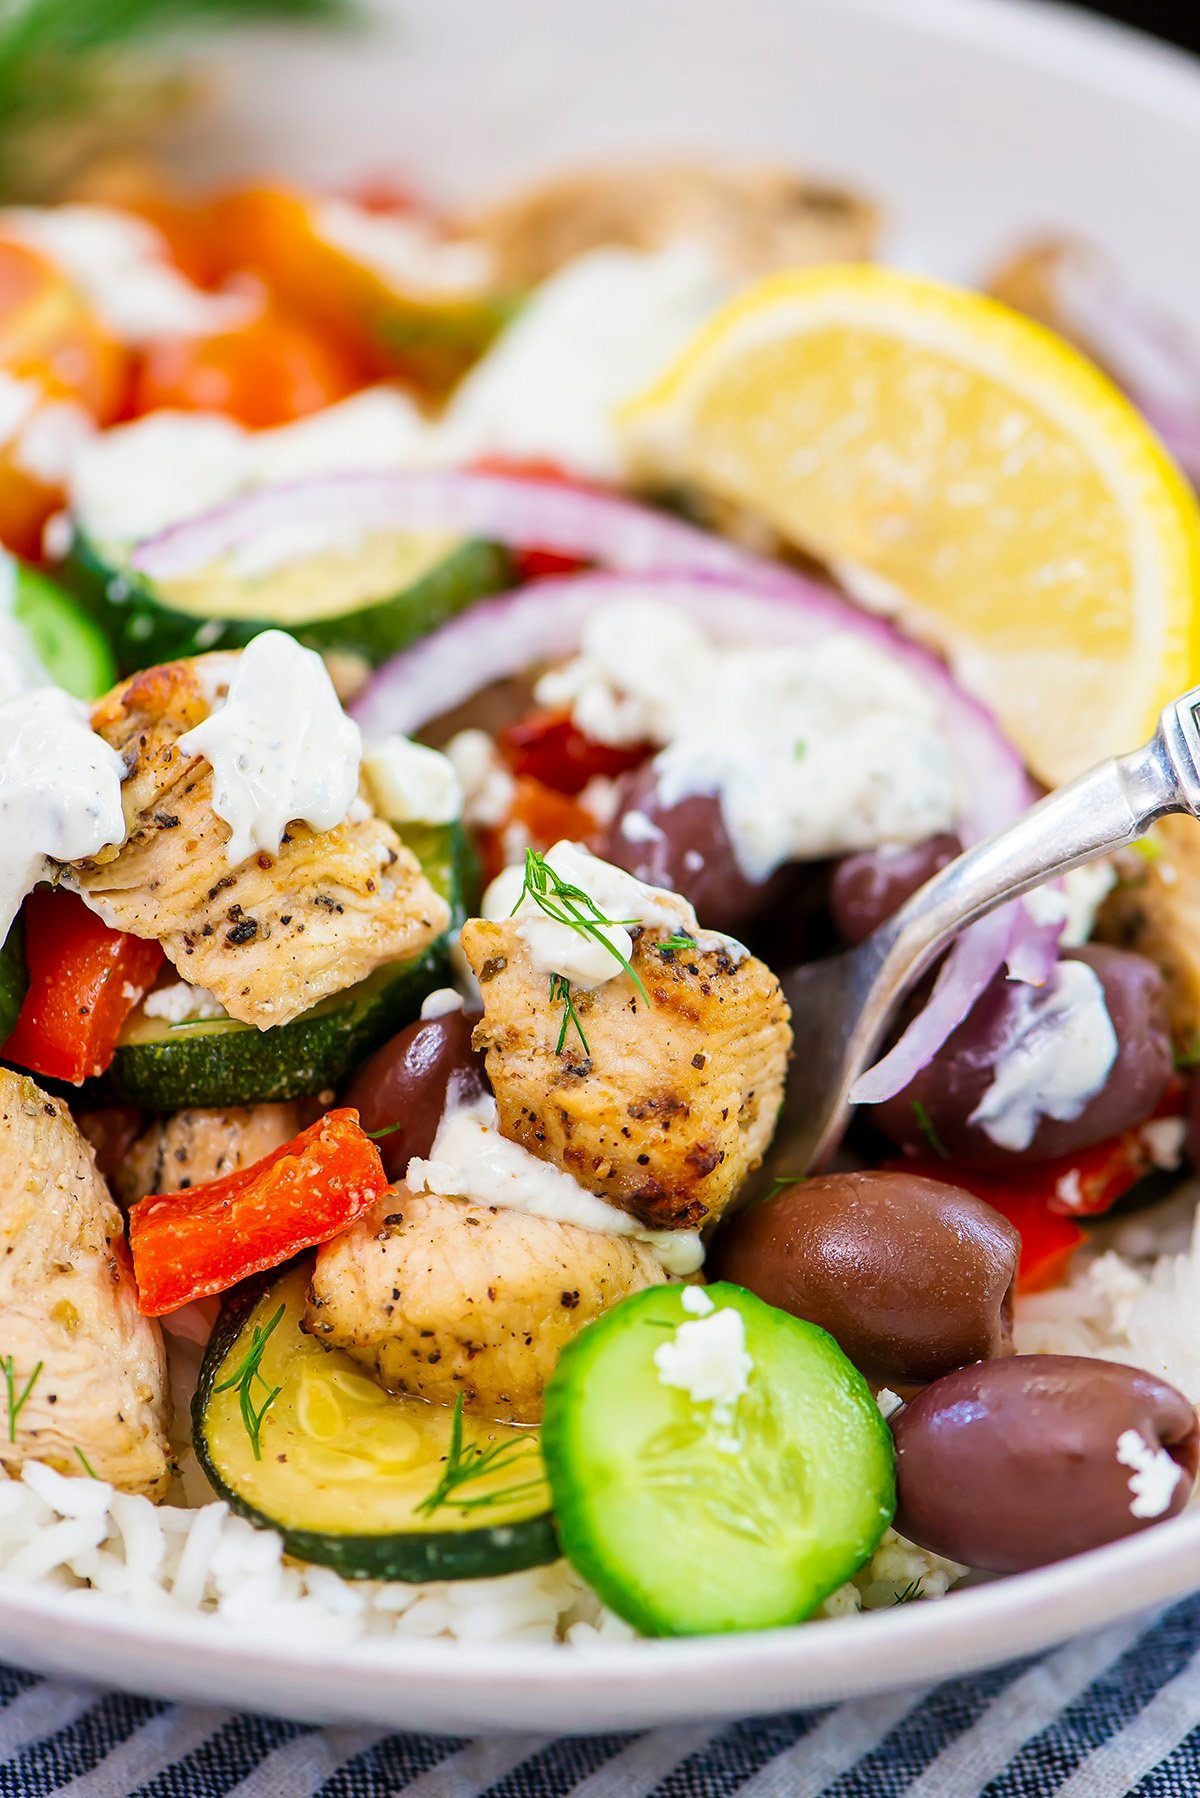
(1060, 1052)
(1155, 1475)
(180, 1003)
(888, 1401)
(51, 444)
(412, 784)
(707, 1359)
(1164, 1139)
(486, 783)
(696, 1300)
(471, 1160)
(440, 1003)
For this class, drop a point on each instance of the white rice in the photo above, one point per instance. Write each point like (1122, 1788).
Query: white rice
(1126, 1300)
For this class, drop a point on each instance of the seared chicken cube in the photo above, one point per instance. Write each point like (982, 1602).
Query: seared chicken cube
(91, 1365)
(674, 1101)
(436, 1297)
(275, 934)
(190, 1147)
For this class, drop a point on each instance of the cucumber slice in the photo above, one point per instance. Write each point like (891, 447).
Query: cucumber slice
(164, 1066)
(688, 1522)
(14, 979)
(70, 645)
(344, 1468)
(369, 600)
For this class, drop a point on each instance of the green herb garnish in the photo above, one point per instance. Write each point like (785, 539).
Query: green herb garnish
(388, 1130)
(561, 989)
(779, 1181)
(679, 944)
(16, 1404)
(244, 1376)
(82, 78)
(86, 1465)
(472, 1463)
(1188, 1057)
(799, 750)
(925, 1125)
(914, 1589)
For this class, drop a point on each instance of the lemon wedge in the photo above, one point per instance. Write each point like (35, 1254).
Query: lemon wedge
(962, 466)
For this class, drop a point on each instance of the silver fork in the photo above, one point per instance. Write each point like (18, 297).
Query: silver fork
(841, 1007)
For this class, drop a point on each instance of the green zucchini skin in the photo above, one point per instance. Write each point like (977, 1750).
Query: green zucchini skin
(411, 1556)
(223, 1063)
(144, 629)
(14, 979)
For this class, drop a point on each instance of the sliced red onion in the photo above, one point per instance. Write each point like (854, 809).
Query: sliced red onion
(502, 508)
(1149, 353)
(545, 623)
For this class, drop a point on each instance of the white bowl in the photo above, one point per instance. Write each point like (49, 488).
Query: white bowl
(974, 121)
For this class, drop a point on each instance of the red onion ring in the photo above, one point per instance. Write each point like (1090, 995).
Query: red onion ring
(502, 508)
(544, 622)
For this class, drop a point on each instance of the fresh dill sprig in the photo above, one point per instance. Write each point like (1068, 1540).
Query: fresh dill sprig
(567, 904)
(388, 1130)
(925, 1125)
(81, 76)
(243, 1378)
(779, 1181)
(86, 1465)
(680, 943)
(16, 1404)
(914, 1589)
(472, 1463)
(560, 988)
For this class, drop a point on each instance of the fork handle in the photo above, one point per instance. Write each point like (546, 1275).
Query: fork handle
(1105, 809)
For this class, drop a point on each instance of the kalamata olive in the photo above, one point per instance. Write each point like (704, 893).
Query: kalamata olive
(1193, 1124)
(409, 1080)
(1011, 1464)
(911, 1277)
(934, 1111)
(686, 848)
(867, 888)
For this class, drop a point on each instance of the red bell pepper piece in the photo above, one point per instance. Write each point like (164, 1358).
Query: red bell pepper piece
(188, 1245)
(84, 980)
(549, 747)
(539, 817)
(1048, 1239)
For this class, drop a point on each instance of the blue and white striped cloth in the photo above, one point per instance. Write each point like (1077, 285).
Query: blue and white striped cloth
(1108, 1716)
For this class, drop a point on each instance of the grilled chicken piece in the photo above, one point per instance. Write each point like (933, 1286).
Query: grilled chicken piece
(676, 1102)
(436, 1297)
(276, 934)
(1155, 909)
(67, 1300)
(198, 1145)
(754, 221)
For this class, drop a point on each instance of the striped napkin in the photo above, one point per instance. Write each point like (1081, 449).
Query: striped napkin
(1108, 1716)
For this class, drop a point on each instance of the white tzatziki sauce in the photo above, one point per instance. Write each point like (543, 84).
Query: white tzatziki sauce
(588, 958)
(471, 1160)
(590, 337)
(60, 791)
(280, 747)
(1059, 1055)
(403, 250)
(814, 751)
(122, 265)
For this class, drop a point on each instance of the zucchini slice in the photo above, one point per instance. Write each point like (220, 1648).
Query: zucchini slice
(14, 979)
(369, 599)
(344, 1471)
(165, 1066)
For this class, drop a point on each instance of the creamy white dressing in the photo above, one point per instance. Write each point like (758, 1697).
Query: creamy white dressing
(471, 1160)
(404, 250)
(590, 338)
(577, 955)
(409, 783)
(122, 264)
(1058, 1056)
(18, 401)
(441, 1002)
(139, 478)
(814, 751)
(51, 444)
(60, 791)
(280, 746)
